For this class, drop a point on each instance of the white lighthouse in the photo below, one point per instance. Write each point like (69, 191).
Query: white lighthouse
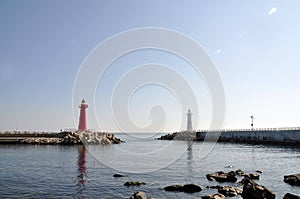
(189, 121)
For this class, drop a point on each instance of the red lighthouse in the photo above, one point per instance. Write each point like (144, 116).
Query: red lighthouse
(82, 119)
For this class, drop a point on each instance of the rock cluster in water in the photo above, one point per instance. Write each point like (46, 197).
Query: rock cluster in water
(231, 176)
(249, 188)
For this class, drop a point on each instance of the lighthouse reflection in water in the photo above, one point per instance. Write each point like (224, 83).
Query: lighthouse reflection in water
(81, 169)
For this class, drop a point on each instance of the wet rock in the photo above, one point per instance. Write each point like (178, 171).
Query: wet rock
(293, 179)
(139, 195)
(290, 196)
(253, 190)
(239, 172)
(191, 188)
(254, 176)
(214, 196)
(136, 183)
(213, 187)
(188, 188)
(229, 191)
(259, 171)
(173, 188)
(222, 177)
(117, 175)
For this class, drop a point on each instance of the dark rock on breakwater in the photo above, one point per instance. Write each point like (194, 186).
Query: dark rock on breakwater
(65, 138)
(188, 136)
(293, 179)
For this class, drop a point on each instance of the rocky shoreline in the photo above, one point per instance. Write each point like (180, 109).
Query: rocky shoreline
(62, 138)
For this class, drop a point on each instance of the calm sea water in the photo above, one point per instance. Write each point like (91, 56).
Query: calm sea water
(29, 171)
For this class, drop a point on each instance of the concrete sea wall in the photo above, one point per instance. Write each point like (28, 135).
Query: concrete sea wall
(277, 136)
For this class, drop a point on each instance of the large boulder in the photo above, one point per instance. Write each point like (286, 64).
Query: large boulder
(253, 190)
(230, 191)
(220, 176)
(139, 195)
(293, 179)
(290, 196)
(187, 188)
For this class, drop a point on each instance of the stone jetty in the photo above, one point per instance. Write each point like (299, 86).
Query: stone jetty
(64, 138)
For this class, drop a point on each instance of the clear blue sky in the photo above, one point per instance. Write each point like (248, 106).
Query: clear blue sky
(254, 44)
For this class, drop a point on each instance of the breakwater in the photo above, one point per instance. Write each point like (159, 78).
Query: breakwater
(289, 136)
(282, 136)
(65, 138)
